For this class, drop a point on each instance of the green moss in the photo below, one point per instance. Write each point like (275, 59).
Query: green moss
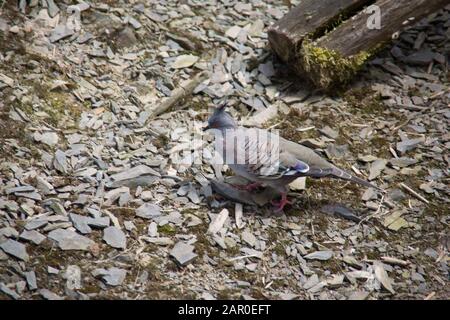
(167, 229)
(328, 68)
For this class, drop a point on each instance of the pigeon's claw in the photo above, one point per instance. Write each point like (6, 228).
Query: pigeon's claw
(280, 205)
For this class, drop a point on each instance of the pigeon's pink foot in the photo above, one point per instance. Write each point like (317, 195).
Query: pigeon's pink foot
(280, 205)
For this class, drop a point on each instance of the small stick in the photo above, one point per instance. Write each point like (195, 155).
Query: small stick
(306, 129)
(178, 94)
(394, 261)
(243, 257)
(431, 295)
(418, 196)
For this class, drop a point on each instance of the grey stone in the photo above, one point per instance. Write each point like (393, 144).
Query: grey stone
(9, 291)
(183, 253)
(336, 151)
(73, 277)
(153, 230)
(135, 23)
(267, 69)
(113, 276)
(311, 282)
(319, 255)
(421, 58)
(330, 133)
(60, 32)
(20, 189)
(397, 195)
(129, 225)
(336, 281)
(175, 217)
(33, 236)
(52, 270)
(99, 222)
(318, 287)
(409, 144)
(49, 138)
(128, 176)
(3, 256)
(49, 295)
(115, 237)
(402, 162)
(85, 37)
(249, 238)
(20, 287)
(358, 295)
(369, 194)
(60, 161)
(70, 240)
(30, 195)
(160, 241)
(30, 276)
(415, 276)
(80, 223)
(15, 249)
(376, 168)
(392, 68)
(53, 9)
(148, 211)
(193, 195)
(431, 253)
(56, 206)
(382, 276)
(9, 232)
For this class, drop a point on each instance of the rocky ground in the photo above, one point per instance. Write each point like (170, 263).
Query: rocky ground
(96, 204)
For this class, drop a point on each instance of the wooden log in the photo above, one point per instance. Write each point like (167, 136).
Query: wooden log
(353, 36)
(333, 57)
(306, 20)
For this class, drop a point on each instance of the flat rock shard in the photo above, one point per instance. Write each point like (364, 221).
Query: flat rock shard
(112, 276)
(15, 249)
(382, 276)
(319, 255)
(115, 237)
(183, 253)
(70, 240)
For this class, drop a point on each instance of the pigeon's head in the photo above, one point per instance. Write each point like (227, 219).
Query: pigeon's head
(220, 119)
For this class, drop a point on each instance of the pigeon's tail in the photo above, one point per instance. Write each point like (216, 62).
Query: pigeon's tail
(339, 174)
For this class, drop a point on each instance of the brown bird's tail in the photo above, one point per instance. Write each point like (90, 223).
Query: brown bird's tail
(339, 174)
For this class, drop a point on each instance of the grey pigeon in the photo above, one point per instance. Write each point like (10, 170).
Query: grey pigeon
(268, 159)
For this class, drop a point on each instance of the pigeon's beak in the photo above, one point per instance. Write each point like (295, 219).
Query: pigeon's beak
(206, 128)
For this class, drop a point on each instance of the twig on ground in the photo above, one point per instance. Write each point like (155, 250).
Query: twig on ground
(414, 193)
(178, 94)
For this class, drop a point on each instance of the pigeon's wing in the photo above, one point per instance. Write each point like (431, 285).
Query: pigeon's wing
(263, 158)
